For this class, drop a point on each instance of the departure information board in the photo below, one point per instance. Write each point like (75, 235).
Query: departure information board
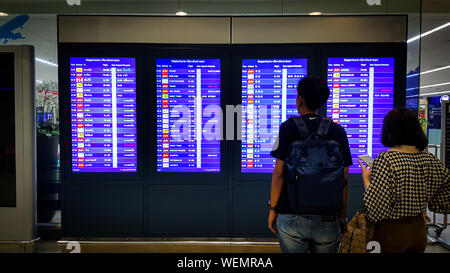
(103, 114)
(362, 93)
(188, 115)
(269, 92)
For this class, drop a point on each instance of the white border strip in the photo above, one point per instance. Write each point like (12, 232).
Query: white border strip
(283, 95)
(114, 116)
(172, 242)
(198, 125)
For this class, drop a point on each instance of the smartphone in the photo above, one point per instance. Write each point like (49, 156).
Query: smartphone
(366, 159)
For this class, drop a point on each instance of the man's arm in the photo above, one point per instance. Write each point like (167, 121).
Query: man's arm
(275, 192)
(277, 182)
(344, 208)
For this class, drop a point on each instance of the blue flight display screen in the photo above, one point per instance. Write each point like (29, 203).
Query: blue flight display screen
(103, 114)
(362, 93)
(269, 92)
(188, 115)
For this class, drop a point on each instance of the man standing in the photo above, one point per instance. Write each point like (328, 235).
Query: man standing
(309, 230)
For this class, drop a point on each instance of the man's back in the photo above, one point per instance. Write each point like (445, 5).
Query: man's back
(289, 133)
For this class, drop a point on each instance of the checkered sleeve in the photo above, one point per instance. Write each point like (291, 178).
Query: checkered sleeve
(378, 198)
(440, 202)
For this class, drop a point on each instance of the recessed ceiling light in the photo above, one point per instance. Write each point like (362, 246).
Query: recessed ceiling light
(315, 13)
(3, 14)
(180, 11)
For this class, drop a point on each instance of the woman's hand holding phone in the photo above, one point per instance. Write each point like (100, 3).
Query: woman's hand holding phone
(365, 170)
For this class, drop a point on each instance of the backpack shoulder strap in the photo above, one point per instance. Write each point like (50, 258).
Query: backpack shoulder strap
(301, 126)
(324, 126)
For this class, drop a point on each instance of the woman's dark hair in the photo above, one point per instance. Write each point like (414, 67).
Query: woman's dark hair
(401, 127)
(314, 90)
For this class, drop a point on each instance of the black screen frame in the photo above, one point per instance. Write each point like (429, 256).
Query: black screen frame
(102, 50)
(367, 50)
(186, 51)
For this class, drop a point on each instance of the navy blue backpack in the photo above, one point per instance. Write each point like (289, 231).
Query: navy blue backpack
(315, 171)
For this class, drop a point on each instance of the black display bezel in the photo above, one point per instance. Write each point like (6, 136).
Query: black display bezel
(173, 51)
(66, 51)
(367, 50)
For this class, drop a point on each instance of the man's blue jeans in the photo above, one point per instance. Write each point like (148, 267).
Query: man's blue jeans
(307, 233)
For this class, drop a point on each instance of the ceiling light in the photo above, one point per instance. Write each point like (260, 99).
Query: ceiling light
(434, 85)
(46, 62)
(315, 13)
(412, 75)
(3, 14)
(412, 88)
(429, 71)
(428, 32)
(180, 12)
(436, 69)
(435, 93)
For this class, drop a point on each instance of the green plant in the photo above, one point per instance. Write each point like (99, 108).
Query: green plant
(48, 129)
(47, 102)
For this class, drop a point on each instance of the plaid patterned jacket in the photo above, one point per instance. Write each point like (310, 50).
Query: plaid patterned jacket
(403, 184)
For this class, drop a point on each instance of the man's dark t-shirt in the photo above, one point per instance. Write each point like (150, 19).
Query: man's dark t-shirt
(289, 132)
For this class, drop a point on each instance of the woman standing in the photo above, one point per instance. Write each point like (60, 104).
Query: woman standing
(401, 184)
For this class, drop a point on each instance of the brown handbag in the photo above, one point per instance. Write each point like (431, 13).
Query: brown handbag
(359, 232)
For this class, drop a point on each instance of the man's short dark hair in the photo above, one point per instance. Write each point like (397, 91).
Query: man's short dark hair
(401, 127)
(314, 90)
